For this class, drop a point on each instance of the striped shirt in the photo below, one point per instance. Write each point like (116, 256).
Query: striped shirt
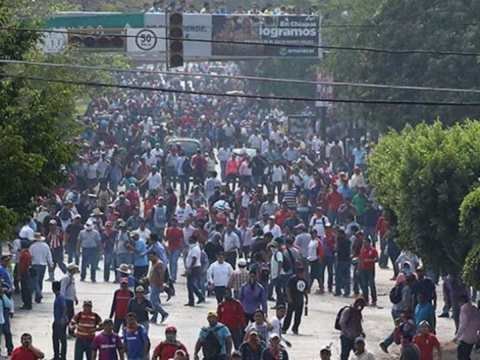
(86, 325)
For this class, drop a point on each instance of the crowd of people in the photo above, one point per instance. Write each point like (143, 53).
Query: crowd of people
(252, 215)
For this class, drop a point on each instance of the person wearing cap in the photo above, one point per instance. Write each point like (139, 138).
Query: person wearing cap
(359, 350)
(119, 308)
(71, 239)
(85, 323)
(90, 241)
(424, 311)
(107, 345)
(274, 349)
(297, 297)
(167, 348)
(41, 258)
(252, 348)
(427, 342)
(230, 313)
(351, 327)
(140, 306)
(68, 289)
(218, 276)
(426, 286)
(214, 340)
(135, 339)
(238, 278)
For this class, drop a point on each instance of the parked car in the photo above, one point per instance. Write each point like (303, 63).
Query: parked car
(189, 145)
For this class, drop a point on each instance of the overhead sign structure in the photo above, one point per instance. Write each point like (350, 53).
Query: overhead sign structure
(213, 32)
(146, 40)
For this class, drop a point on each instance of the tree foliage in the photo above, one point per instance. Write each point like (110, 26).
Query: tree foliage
(423, 174)
(405, 24)
(470, 228)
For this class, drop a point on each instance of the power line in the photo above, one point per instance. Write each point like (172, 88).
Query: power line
(238, 77)
(240, 95)
(252, 43)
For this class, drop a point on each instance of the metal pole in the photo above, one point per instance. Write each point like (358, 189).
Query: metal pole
(167, 45)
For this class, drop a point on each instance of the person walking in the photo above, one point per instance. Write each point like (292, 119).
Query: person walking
(175, 244)
(468, 328)
(140, 306)
(343, 264)
(230, 313)
(107, 345)
(297, 297)
(156, 279)
(167, 349)
(68, 290)
(86, 323)
(89, 240)
(41, 258)
(366, 271)
(59, 326)
(350, 324)
(253, 296)
(119, 309)
(24, 272)
(218, 276)
(55, 240)
(193, 270)
(135, 339)
(214, 340)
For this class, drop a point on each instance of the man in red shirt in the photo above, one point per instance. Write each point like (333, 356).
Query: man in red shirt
(427, 341)
(334, 200)
(282, 214)
(121, 298)
(175, 245)
(24, 264)
(366, 267)
(231, 314)
(26, 351)
(166, 349)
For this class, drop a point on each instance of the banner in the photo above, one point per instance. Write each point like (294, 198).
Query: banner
(297, 30)
(146, 40)
(52, 43)
(195, 26)
(95, 19)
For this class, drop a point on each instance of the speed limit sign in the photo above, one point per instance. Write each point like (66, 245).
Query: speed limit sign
(146, 40)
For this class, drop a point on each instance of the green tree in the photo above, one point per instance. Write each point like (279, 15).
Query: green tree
(424, 174)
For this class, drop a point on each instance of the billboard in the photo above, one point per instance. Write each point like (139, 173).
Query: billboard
(297, 30)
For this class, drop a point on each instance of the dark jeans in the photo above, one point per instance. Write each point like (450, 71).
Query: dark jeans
(297, 308)
(72, 253)
(89, 259)
(464, 350)
(346, 346)
(327, 264)
(383, 261)
(237, 336)
(117, 324)
(342, 278)
(367, 282)
(59, 338)
(140, 272)
(231, 258)
(70, 312)
(279, 284)
(57, 257)
(220, 293)
(26, 290)
(193, 285)
(38, 280)
(7, 332)
(107, 265)
(83, 346)
(356, 280)
(184, 183)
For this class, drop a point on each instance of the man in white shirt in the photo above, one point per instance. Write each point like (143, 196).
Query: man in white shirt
(360, 352)
(41, 258)
(231, 243)
(218, 276)
(319, 221)
(154, 180)
(183, 212)
(193, 268)
(272, 228)
(255, 141)
(276, 323)
(223, 155)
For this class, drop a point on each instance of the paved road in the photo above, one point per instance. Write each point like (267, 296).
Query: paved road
(316, 330)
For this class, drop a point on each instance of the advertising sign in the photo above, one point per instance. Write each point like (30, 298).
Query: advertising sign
(297, 30)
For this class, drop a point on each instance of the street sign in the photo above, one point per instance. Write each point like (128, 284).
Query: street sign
(146, 40)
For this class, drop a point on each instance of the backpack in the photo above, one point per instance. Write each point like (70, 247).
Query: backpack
(339, 316)
(396, 294)
(211, 346)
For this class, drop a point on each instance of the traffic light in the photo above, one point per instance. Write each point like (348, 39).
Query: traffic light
(175, 35)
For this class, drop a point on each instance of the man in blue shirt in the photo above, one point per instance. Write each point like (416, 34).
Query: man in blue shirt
(135, 339)
(59, 326)
(215, 340)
